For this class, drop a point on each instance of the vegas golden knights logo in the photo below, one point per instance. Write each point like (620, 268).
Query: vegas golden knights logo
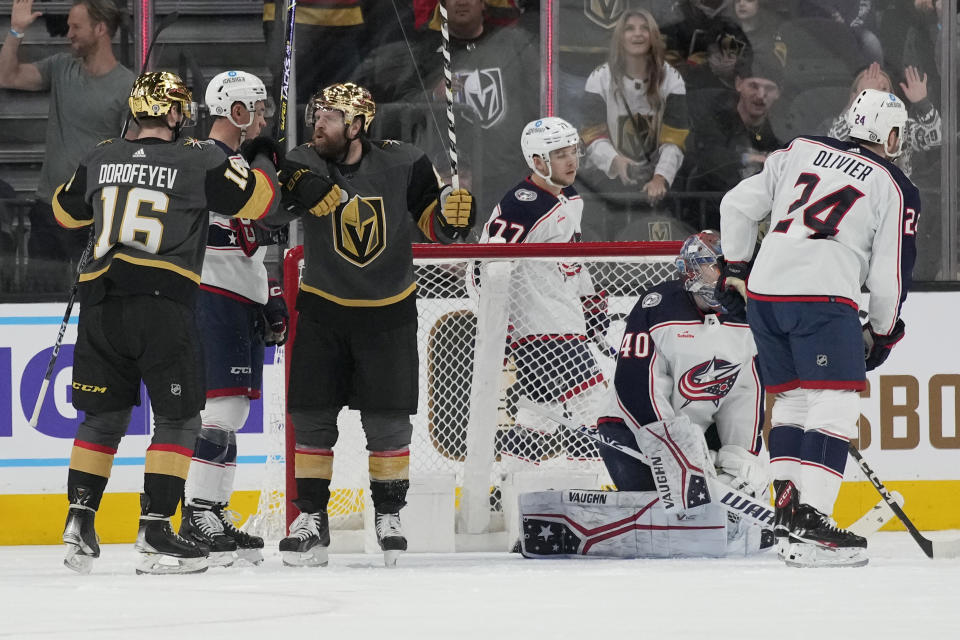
(604, 12)
(633, 136)
(360, 231)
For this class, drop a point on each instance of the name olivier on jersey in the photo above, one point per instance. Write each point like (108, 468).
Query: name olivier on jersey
(145, 174)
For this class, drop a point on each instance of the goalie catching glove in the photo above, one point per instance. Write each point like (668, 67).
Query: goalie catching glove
(876, 348)
(457, 212)
(302, 188)
(275, 316)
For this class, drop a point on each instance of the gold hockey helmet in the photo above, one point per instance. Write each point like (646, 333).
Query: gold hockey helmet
(155, 92)
(350, 99)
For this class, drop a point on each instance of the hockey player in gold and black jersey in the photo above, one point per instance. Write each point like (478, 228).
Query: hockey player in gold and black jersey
(148, 201)
(356, 335)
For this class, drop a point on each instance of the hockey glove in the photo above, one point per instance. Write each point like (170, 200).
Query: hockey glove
(264, 145)
(246, 235)
(876, 347)
(300, 187)
(275, 316)
(595, 316)
(457, 212)
(732, 288)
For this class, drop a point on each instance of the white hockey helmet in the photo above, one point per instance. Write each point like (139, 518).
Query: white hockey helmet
(874, 114)
(542, 136)
(700, 265)
(237, 86)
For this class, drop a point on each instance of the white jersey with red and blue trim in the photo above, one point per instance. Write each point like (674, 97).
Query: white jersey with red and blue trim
(545, 294)
(840, 217)
(676, 360)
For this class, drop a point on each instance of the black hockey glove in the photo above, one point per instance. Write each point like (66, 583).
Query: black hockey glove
(275, 316)
(457, 212)
(732, 288)
(300, 187)
(263, 145)
(876, 348)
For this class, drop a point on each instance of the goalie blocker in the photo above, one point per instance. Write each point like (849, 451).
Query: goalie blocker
(628, 524)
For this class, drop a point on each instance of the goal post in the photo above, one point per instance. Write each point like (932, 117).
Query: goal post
(476, 308)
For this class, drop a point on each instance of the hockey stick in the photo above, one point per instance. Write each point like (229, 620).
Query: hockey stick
(933, 548)
(448, 81)
(84, 257)
(733, 500)
(280, 124)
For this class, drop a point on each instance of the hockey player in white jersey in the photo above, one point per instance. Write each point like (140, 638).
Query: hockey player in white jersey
(556, 309)
(686, 372)
(238, 312)
(842, 216)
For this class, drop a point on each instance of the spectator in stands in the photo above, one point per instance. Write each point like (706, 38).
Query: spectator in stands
(727, 45)
(761, 26)
(635, 113)
(88, 103)
(858, 15)
(923, 128)
(735, 142)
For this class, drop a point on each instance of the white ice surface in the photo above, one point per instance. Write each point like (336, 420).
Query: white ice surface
(489, 596)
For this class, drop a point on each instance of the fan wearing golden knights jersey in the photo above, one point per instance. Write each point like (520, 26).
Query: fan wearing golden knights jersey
(238, 312)
(556, 309)
(842, 216)
(687, 368)
(356, 333)
(148, 201)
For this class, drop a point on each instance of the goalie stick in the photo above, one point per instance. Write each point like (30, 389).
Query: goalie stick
(933, 548)
(733, 500)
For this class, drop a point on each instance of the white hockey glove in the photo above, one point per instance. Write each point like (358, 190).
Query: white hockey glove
(740, 469)
(677, 454)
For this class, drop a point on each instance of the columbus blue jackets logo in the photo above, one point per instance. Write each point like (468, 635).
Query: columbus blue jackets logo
(710, 381)
(482, 89)
(604, 13)
(360, 230)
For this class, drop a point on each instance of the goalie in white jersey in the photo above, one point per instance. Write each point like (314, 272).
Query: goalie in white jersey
(556, 309)
(842, 215)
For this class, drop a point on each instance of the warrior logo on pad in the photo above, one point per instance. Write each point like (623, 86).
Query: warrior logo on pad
(710, 380)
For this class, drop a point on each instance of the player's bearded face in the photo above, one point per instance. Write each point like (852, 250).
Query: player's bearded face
(329, 139)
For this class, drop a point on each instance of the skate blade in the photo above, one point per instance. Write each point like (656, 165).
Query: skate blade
(77, 560)
(220, 559)
(390, 557)
(160, 564)
(803, 556)
(316, 557)
(253, 556)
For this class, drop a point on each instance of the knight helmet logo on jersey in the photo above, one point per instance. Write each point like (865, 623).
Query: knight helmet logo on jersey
(603, 13)
(711, 381)
(482, 89)
(360, 230)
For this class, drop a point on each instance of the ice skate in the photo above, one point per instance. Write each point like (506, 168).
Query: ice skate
(816, 541)
(390, 536)
(202, 525)
(83, 544)
(162, 551)
(306, 546)
(249, 548)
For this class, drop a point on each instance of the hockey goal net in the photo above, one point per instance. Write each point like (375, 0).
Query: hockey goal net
(478, 305)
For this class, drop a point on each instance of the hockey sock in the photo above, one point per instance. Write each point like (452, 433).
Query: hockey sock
(784, 443)
(85, 488)
(313, 469)
(824, 458)
(389, 479)
(208, 465)
(90, 466)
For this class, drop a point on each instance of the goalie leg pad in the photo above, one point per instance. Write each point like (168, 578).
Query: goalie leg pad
(622, 524)
(678, 456)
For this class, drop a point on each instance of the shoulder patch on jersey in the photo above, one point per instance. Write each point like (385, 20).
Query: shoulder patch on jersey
(651, 300)
(107, 141)
(389, 143)
(195, 143)
(525, 195)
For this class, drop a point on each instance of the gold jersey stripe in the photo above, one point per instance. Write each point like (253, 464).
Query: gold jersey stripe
(63, 217)
(167, 463)
(344, 17)
(313, 466)
(671, 135)
(589, 134)
(426, 221)
(96, 463)
(259, 203)
(143, 262)
(354, 302)
(392, 468)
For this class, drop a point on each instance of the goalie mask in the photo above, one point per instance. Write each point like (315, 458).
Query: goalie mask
(154, 94)
(350, 99)
(873, 115)
(542, 136)
(231, 87)
(700, 264)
